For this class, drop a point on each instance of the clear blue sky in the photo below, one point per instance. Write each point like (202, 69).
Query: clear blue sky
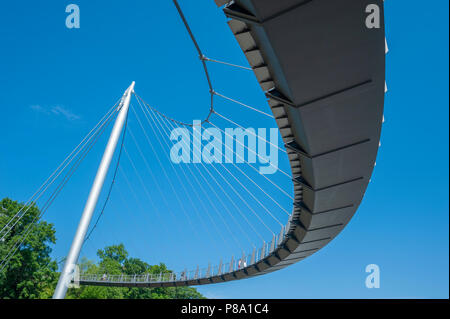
(56, 83)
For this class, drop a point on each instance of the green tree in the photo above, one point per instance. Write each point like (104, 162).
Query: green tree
(114, 261)
(30, 273)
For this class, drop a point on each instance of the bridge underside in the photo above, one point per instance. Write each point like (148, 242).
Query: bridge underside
(323, 72)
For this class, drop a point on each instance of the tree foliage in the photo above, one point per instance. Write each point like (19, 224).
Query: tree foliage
(30, 273)
(114, 260)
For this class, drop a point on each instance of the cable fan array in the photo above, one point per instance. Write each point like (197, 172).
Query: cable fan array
(233, 204)
(50, 189)
(214, 189)
(223, 201)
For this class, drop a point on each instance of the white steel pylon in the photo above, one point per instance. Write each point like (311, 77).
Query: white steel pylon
(77, 243)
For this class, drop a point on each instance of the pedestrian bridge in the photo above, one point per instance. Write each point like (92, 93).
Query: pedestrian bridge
(323, 73)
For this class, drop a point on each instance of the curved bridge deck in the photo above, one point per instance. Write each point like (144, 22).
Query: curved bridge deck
(323, 72)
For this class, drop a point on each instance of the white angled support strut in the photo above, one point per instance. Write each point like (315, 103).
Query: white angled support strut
(72, 258)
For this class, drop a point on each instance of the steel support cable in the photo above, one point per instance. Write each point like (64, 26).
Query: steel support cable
(86, 152)
(169, 118)
(191, 34)
(137, 224)
(52, 198)
(229, 171)
(206, 194)
(167, 178)
(66, 179)
(124, 133)
(217, 196)
(219, 231)
(157, 157)
(68, 163)
(201, 56)
(203, 60)
(162, 133)
(146, 191)
(147, 165)
(151, 173)
(180, 181)
(160, 163)
(245, 146)
(243, 104)
(254, 134)
(251, 180)
(234, 204)
(256, 184)
(245, 202)
(255, 169)
(56, 173)
(265, 177)
(57, 262)
(165, 172)
(251, 194)
(227, 63)
(208, 121)
(195, 178)
(133, 192)
(137, 216)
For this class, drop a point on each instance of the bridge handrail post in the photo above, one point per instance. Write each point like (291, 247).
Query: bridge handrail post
(280, 239)
(219, 270)
(272, 244)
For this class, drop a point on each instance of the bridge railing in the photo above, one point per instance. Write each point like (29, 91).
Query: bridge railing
(233, 265)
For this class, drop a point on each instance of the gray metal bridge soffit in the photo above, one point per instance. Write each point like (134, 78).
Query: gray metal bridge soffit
(323, 72)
